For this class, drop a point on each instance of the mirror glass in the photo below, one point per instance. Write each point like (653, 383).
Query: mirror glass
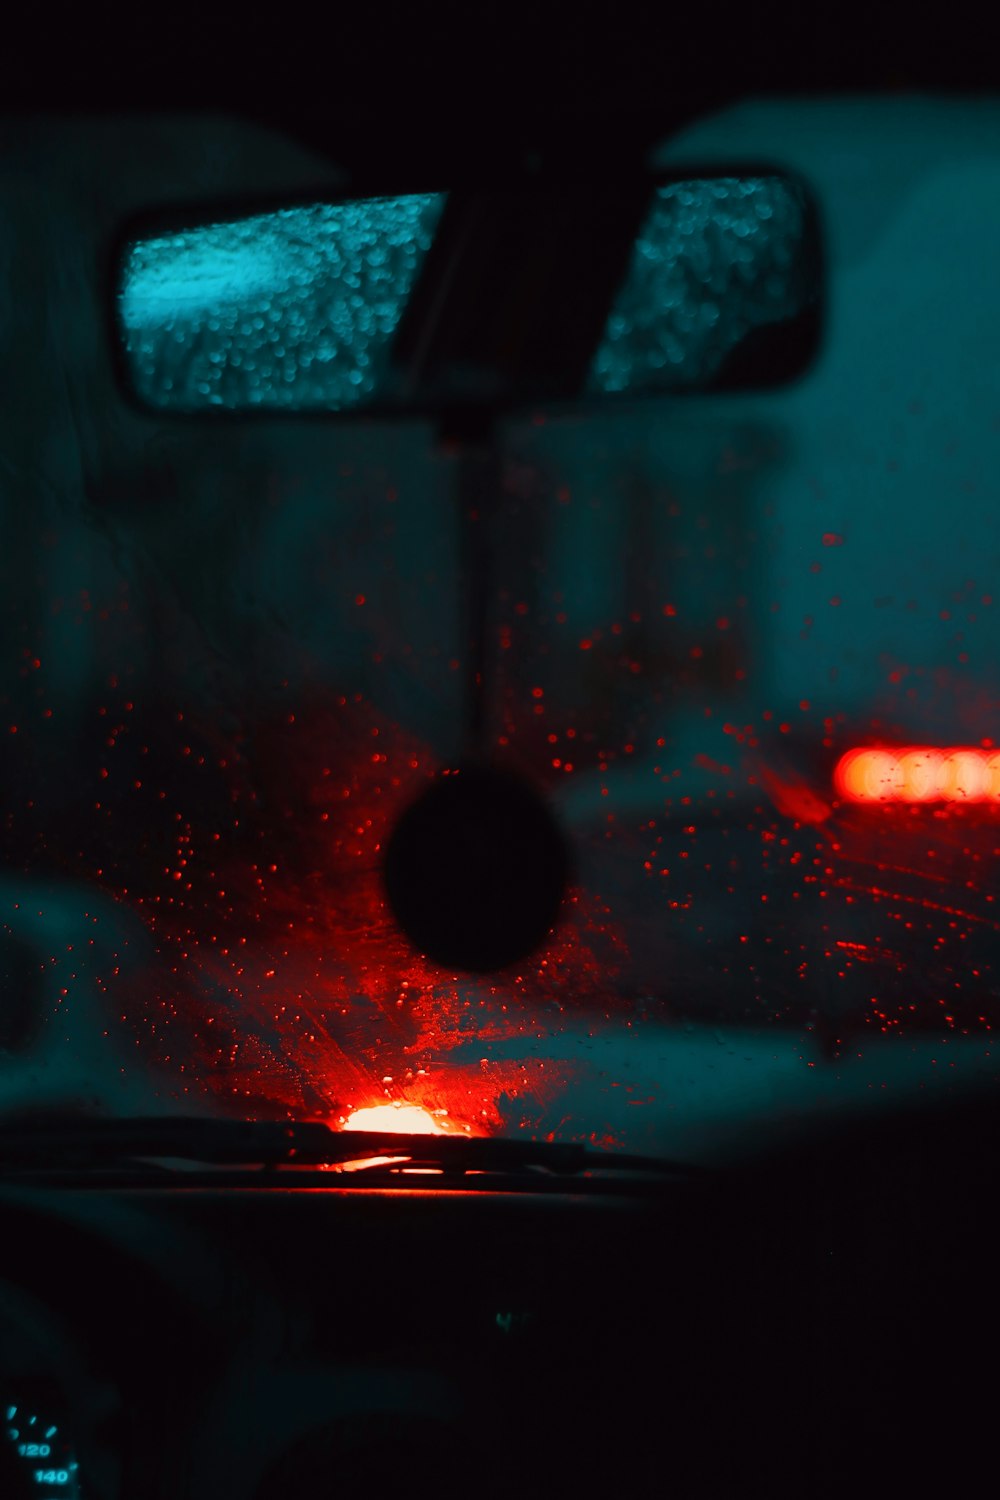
(715, 262)
(528, 293)
(292, 310)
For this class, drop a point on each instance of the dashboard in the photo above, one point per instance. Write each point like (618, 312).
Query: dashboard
(263, 1342)
(802, 1320)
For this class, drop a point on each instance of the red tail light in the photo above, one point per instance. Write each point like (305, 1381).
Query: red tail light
(919, 773)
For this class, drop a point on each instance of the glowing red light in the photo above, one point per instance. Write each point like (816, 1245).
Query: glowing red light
(919, 773)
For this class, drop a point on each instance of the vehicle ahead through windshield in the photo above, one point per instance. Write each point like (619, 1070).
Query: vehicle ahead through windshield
(238, 650)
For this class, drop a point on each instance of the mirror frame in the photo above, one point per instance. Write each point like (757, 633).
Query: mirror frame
(176, 217)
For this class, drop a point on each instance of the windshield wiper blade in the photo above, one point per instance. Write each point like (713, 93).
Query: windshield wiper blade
(209, 1141)
(494, 1154)
(83, 1142)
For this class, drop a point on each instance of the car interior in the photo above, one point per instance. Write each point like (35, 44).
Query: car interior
(500, 758)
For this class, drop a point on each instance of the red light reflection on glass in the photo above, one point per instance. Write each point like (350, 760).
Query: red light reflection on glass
(919, 773)
(278, 981)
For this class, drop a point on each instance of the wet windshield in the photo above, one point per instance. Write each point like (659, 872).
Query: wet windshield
(744, 644)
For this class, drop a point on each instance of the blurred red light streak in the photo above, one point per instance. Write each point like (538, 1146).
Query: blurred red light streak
(919, 774)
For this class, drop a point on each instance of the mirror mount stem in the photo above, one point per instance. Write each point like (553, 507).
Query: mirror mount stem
(471, 436)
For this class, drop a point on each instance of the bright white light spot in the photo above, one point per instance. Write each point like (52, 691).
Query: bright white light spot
(400, 1119)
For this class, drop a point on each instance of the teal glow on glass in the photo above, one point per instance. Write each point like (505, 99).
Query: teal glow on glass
(293, 310)
(714, 260)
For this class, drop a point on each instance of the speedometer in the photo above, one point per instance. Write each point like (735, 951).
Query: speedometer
(43, 1450)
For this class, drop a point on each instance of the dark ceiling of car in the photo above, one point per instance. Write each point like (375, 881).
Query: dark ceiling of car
(393, 88)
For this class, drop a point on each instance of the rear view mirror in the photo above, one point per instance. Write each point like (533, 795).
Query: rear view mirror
(533, 291)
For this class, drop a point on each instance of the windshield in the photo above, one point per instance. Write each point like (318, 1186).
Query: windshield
(746, 645)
